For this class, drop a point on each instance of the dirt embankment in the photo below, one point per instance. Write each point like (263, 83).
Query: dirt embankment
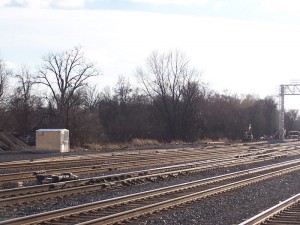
(9, 142)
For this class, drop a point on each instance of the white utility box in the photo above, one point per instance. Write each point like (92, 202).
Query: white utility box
(53, 140)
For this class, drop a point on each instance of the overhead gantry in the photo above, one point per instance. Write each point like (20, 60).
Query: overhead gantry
(285, 89)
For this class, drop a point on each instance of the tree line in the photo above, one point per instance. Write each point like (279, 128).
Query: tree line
(169, 103)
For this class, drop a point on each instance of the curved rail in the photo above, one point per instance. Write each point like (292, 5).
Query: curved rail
(286, 212)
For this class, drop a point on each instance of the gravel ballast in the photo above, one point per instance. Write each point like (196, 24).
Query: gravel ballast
(229, 208)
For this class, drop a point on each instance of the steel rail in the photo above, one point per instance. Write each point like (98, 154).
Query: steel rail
(114, 156)
(16, 177)
(109, 159)
(119, 176)
(98, 157)
(107, 166)
(29, 176)
(273, 214)
(152, 208)
(76, 160)
(96, 183)
(148, 207)
(205, 165)
(146, 152)
(49, 162)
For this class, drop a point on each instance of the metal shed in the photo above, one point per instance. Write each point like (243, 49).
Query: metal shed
(53, 139)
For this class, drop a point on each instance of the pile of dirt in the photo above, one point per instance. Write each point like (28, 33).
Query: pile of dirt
(9, 142)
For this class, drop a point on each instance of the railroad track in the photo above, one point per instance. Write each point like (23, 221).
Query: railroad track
(286, 212)
(29, 194)
(103, 158)
(200, 165)
(30, 176)
(190, 157)
(99, 158)
(106, 166)
(127, 207)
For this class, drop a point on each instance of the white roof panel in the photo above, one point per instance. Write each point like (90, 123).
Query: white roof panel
(51, 130)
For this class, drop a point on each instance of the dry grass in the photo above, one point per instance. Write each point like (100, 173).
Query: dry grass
(209, 140)
(136, 142)
(139, 142)
(95, 146)
(143, 142)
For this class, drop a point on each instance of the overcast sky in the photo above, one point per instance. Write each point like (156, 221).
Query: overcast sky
(243, 46)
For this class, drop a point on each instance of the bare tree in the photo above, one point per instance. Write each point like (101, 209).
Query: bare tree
(122, 92)
(65, 74)
(26, 82)
(229, 116)
(23, 95)
(163, 80)
(192, 111)
(4, 74)
(290, 118)
(91, 97)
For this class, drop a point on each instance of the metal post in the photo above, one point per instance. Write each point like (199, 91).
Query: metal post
(285, 89)
(281, 113)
